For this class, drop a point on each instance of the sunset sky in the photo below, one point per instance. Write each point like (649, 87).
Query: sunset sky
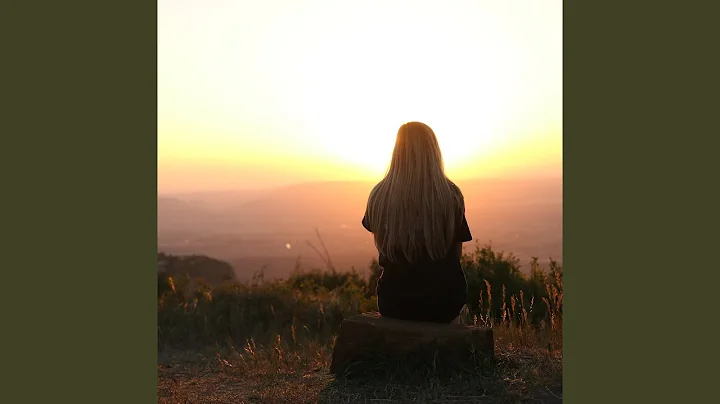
(270, 92)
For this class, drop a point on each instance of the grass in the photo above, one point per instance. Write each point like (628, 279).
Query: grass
(271, 341)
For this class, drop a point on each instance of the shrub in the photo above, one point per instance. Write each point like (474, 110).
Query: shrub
(310, 305)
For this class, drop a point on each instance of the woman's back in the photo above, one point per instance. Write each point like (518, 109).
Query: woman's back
(417, 217)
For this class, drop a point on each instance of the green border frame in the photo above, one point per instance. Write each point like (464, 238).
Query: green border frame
(636, 106)
(79, 152)
(79, 201)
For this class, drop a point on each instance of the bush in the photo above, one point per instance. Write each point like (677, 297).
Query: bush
(311, 305)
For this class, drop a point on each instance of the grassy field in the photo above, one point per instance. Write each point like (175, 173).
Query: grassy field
(271, 341)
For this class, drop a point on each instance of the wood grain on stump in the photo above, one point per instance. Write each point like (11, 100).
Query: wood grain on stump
(370, 335)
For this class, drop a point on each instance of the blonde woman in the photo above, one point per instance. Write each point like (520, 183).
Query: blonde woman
(417, 218)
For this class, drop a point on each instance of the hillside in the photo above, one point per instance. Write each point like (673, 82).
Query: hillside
(272, 341)
(271, 229)
(201, 268)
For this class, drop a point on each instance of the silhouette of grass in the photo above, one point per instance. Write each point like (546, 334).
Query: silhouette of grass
(271, 341)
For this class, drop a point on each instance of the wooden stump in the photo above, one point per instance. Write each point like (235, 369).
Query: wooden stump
(369, 336)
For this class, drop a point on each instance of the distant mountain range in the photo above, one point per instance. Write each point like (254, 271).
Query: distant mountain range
(521, 215)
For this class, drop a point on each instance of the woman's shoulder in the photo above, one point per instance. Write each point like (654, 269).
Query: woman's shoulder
(376, 187)
(455, 188)
(458, 196)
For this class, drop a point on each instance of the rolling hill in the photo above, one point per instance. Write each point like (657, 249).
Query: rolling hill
(271, 229)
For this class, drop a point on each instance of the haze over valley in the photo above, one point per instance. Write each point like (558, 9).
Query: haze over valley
(271, 230)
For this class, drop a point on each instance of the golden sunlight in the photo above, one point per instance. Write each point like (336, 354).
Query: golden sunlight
(324, 85)
(356, 87)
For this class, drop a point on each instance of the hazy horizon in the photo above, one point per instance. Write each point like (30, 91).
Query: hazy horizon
(539, 174)
(254, 229)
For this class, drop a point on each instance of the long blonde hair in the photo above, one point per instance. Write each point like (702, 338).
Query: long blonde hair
(415, 207)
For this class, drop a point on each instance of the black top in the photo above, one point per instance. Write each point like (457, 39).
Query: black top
(426, 289)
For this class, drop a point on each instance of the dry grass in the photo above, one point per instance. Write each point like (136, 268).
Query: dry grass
(274, 374)
(284, 356)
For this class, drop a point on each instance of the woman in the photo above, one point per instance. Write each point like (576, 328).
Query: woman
(417, 217)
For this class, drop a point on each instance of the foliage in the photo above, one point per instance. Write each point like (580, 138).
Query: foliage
(272, 341)
(197, 269)
(311, 304)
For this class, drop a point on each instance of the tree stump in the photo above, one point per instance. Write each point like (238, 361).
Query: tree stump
(371, 337)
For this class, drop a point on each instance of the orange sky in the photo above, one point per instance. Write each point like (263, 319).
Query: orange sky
(268, 92)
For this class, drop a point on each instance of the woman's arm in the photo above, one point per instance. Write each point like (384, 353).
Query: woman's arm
(462, 231)
(366, 223)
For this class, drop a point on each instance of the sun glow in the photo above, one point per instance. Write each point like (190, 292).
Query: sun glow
(356, 87)
(324, 85)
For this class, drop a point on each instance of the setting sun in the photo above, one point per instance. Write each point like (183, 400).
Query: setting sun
(299, 90)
